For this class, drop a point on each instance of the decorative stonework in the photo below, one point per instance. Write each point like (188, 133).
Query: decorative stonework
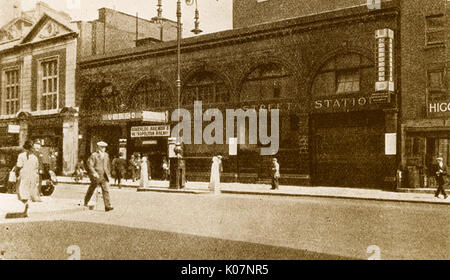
(49, 30)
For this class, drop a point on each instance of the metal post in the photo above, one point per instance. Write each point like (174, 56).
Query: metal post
(178, 85)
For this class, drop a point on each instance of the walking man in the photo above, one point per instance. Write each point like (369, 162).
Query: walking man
(99, 173)
(120, 168)
(275, 174)
(440, 174)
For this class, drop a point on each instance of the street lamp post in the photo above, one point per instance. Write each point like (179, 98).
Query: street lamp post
(196, 31)
(177, 164)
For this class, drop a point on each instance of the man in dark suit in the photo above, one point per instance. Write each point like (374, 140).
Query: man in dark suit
(99, 172)
(440, 172)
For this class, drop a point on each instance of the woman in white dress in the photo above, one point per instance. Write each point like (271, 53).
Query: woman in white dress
(215, 174)
(144, 173)
(28, 167)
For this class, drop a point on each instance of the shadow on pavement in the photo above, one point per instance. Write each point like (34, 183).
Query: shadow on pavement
(51, 240)
(15, 215)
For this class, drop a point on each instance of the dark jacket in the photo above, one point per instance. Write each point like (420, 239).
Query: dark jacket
(440, 173)
(119, 166)
(100, 166)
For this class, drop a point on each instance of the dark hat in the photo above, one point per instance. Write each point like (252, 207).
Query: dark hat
(28, 145)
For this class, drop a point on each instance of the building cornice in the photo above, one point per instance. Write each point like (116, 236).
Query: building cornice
(18, 48)
(241, 35)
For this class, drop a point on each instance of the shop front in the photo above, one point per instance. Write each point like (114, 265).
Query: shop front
(58, 134)
(9, 134)
(424, 141)
(130, 133)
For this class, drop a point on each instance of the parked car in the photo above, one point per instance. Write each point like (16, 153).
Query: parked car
(8, 159)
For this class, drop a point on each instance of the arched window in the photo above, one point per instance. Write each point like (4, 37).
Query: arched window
(268, 81)
(207, 87)
(344, 74)
(151, 93)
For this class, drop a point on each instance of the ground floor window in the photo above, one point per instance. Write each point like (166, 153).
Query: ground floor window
(421, 150)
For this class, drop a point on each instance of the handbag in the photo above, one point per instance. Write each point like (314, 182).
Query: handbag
(12, 176)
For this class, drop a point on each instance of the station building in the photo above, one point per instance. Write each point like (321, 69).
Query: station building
(320, 70)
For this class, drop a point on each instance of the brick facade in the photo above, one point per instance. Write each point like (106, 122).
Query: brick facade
(300, 46)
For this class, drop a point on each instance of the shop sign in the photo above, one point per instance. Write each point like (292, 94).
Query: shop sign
(160, 117)
(122, 116)
(439, 107)
(341, 104)
(12, 128)
(150, 131)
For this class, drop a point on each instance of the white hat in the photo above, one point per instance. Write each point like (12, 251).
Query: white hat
(102, 144)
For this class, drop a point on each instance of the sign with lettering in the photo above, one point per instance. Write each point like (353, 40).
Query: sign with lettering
(12, 128)
(342, 104)
(158, 117)
(122, 116)
(439, 107)
(150, 131)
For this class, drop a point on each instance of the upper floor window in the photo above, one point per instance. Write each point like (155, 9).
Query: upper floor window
(12, 92)
(49, 85)
(207, 87)
(344, 74)
(435, 29)
(436, 80)
(267, 81)
(151, 93)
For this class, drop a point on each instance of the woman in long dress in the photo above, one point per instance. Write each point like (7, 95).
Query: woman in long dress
(215, 174)
(144, 173)
(28, 166)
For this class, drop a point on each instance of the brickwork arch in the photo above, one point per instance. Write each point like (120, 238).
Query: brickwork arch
(208, 83)
(331, 55)
(162, 93)
(287, 69)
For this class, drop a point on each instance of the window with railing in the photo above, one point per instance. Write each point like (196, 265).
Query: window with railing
(12, 92)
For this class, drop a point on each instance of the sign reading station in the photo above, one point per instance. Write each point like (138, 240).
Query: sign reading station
(150, 131)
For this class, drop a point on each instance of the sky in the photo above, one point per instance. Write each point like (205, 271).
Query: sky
(215, 15)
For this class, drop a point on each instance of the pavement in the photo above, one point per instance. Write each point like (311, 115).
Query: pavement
(10, 206)
(300, 191)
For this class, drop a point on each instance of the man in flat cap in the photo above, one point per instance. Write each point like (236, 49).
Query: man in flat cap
(440, 173)
(98, 166)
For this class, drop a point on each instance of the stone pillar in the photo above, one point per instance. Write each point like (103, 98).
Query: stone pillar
(23, 119)
(70, 140)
